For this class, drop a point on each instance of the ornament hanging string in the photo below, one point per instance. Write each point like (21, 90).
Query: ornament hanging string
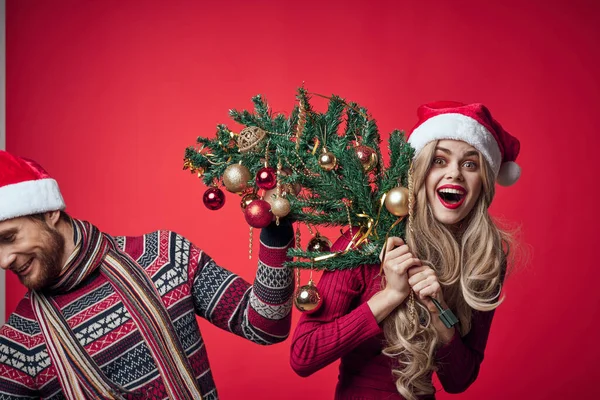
(358, 110)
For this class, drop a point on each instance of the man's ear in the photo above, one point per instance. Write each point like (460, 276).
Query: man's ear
(52, 218)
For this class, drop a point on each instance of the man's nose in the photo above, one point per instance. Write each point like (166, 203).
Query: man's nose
(6, 259)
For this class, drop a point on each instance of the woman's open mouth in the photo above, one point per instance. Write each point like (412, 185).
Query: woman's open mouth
(451, 196)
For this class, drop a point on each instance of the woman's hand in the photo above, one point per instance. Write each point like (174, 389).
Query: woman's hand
(424, 281)
(398, 259)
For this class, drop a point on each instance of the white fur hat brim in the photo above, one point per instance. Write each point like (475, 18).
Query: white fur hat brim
(30, 197)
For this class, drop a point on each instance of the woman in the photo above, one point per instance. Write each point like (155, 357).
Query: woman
(389, 344)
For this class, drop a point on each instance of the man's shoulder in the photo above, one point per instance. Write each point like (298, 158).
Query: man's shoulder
(158, 248)
(149, 239)
(22, 319)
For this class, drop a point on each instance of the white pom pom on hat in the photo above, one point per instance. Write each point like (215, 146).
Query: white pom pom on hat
(473, 124)
(509, 173)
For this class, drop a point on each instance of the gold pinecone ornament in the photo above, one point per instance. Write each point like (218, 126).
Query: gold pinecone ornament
(249, 138)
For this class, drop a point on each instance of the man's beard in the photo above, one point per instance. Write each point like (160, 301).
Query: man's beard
(50, 260)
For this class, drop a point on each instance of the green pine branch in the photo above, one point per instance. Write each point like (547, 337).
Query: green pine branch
(345, 196)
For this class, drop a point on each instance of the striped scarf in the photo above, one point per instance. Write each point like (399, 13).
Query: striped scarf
(79, 375)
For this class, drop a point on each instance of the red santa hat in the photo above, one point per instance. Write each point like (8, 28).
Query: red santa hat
(473, 124)
(26, 188)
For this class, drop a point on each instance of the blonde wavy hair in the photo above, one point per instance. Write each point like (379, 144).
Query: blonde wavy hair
(469, 264)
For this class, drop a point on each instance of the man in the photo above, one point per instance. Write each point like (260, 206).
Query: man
(114, 317)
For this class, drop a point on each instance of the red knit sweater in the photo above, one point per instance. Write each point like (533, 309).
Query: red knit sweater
(345, 328)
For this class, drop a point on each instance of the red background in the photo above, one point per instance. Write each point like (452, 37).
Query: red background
(107, 94)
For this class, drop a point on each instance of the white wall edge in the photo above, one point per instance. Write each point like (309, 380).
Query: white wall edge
(2, 131)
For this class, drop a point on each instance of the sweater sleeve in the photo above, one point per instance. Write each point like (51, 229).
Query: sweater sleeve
(259, 312)
(460, 359)
(337, 327)
(15, 358)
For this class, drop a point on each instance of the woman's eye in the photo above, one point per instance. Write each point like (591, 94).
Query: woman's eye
(470, 164)
(438, 161)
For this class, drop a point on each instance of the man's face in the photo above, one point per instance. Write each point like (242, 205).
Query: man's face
(31, 249)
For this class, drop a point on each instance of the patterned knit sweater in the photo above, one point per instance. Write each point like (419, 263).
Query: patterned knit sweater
(344, 328)
(189, 282)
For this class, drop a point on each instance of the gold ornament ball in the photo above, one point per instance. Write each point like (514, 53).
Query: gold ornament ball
(327, 160)
(270, 195)
(396, 201)
(236, 177)
(280, 207)
(319, 244)
(307, 298)
(247, 199)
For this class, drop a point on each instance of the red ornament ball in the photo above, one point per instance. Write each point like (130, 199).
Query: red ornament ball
(247, 199)
(258, 214)
(266, 178)
(367, 157)
(364, 153)
(213, 198)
